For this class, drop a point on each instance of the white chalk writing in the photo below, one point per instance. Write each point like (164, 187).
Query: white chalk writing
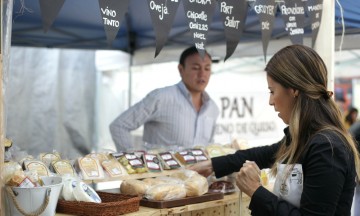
(159, 8)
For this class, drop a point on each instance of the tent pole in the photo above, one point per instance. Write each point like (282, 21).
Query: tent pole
(2, 140)
(130, 80)
(325, 43)
(131, 36)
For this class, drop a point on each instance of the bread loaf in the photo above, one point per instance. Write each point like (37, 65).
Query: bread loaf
(195, 184)
(166, 192)
(133, 187)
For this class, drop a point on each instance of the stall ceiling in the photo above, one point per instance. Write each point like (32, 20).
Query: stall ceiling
(79, 25)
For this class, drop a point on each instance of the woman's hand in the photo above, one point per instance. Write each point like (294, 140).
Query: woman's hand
(248, 179)
(204, 168)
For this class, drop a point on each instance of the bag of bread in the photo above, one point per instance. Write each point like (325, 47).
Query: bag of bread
(195, 184)
(133, 187)
(170, 191)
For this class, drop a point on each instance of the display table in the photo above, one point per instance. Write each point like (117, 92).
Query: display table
(229, 206)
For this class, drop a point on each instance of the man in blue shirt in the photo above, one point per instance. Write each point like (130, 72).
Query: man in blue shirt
(174, 117)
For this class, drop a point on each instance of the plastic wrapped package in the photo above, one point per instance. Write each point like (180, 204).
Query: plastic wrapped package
(166, 192)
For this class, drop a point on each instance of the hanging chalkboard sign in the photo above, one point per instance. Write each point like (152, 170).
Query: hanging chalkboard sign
(49, 11)
(199, 14)
(112, 13)
(162, 15)
(265, 9)
(233, 13)
(293, 13)
(314, 10)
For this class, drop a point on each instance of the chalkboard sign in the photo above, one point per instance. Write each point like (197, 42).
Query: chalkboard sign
(293, 13)
(199, 14)
(49, 11)
(266, 9)
(162, 15)
(112, 13)
(314, 10)
(233, 13)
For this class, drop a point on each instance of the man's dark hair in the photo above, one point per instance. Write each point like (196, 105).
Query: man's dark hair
(188, 52)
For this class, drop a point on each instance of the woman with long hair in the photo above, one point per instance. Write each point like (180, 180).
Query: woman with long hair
(316, 163)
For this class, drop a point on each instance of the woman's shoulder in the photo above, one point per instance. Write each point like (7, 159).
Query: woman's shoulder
(333, 138)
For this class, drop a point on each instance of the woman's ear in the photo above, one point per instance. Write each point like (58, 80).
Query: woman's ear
(296, 93)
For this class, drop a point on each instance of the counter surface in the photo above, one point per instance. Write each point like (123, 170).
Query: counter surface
(229, 206)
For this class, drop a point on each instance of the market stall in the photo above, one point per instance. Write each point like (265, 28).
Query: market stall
(231, 204)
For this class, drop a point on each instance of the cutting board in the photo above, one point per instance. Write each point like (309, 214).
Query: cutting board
(181, 202)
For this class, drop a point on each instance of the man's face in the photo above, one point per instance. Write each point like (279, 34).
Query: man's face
(196, 72)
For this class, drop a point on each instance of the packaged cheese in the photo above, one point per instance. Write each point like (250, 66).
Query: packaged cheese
(116, 155)
(152, 162)
(168, 161)
(216, 150)
(99, 156)
(113, 168)
(191, 156)
(36, 165)
(199, 155)
(47, 158)
(185, 157)
(132, 163)
(83, 192)
(90, 168)
(63, 167)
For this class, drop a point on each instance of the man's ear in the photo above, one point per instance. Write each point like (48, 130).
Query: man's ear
(180, 68)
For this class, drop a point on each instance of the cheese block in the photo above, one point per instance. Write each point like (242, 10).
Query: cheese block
(38, 166)
(132, 163)
(83, 192)
(113, 168)
(99, 156)
(67, 192)
(63, 167)
(152, 162)
(185, 157)
(90, 168)
(168, 161)
(47, 158)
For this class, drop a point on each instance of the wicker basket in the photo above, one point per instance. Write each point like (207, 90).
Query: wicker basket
(112, 204)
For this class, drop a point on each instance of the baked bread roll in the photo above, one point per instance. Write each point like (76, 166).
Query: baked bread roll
(166, 192)
(133, 187)
(195, 184)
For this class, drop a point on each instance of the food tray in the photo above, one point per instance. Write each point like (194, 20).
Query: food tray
(181, 202)
(112, 204)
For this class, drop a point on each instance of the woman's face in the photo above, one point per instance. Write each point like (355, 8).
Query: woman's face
(283, 99)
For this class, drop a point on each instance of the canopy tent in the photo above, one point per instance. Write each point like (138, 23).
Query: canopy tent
(79, 25)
